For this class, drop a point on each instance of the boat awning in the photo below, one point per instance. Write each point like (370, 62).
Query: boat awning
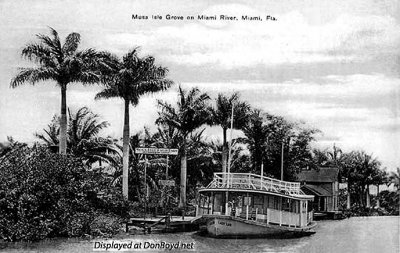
(317, 190)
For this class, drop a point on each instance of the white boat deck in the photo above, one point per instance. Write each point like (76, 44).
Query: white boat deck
(250, 181)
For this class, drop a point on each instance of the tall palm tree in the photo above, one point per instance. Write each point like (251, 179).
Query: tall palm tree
(222, 114)
(192, 112)
(61, 63)
(130, 78)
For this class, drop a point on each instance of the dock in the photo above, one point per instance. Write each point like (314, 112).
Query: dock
(162, 224)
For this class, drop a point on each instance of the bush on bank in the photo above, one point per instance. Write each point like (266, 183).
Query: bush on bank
(43, 194)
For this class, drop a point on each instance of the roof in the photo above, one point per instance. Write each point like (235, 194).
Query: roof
(322, 175)
(316, 190)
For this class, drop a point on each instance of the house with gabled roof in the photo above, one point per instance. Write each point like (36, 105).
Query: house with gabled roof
(323, 183)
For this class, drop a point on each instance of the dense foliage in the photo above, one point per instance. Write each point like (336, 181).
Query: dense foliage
(83, 136)
(43, 194)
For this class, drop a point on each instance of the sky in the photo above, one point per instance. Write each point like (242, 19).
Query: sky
(333, 65)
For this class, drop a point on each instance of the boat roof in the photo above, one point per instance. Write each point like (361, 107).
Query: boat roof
(248, 182)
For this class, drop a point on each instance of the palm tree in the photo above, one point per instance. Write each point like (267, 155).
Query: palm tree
(192, 112)
(394, 178)
(60, 63)
(320, 157)
(335, 156)
(130, 78)
(360, 169)
(379, 178)
(222, 114)
(257, 133)
(370, 168)
(83, 138)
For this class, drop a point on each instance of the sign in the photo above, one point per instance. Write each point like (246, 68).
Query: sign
(157, 151)
(166, 182)
(247, 201)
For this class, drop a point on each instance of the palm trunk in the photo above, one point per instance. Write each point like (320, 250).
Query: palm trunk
(125, 151)
(63, 121)
(224, 151)
(377, 197)
(361, 195)
(348, 195)
(182, 198)
(368, 197)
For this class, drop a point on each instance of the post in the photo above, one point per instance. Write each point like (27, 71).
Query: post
(145, 178)
(368, 200)
(145, 184)
(348, 205)
(282, 162)
(262, 175)
(166, 170)
(230, 146)
(229, 164)
(166, 187)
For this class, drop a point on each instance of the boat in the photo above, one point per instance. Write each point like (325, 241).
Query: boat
(249, 205)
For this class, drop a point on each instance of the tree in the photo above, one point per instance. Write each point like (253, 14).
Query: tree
(394, 178)
(257, 133)
(360, 170)
(335, 156)
(268, 136)
(222, 116)
(51, 195)
(191, 113)
(320, 158)
(60, 63)
(83, 138)
(130, 78)
(379, 178)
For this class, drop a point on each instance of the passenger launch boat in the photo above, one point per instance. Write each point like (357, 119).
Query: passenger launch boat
(249, 205)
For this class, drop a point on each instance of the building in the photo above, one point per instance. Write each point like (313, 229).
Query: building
(323, 183)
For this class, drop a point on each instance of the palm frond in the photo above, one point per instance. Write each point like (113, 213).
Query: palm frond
(53, 44)
(39, 54)
(107, 93)
(33, 75)
(71, 43)
(132, 77)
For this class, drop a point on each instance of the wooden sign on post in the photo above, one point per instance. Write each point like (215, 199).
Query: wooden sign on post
(157, 151)
(247, 201)
(166, 182)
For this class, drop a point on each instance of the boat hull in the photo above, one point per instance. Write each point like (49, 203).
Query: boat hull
(228, 227)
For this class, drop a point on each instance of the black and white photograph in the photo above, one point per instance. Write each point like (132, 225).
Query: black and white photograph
(200, 126)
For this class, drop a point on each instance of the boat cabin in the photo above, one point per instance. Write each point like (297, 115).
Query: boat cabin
(253, 197)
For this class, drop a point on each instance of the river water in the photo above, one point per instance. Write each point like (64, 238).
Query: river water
(357, 234)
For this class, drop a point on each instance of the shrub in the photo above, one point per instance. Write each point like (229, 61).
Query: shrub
(105, 225)
(43, 194)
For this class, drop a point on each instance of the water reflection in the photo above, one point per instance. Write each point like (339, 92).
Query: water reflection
(363, 234)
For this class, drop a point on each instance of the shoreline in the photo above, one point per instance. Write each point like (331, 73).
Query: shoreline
(125, 235)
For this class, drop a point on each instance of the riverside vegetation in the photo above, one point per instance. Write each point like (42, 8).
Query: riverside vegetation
(74, 182)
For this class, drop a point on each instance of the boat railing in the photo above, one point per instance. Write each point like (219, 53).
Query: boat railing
(253, 181)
